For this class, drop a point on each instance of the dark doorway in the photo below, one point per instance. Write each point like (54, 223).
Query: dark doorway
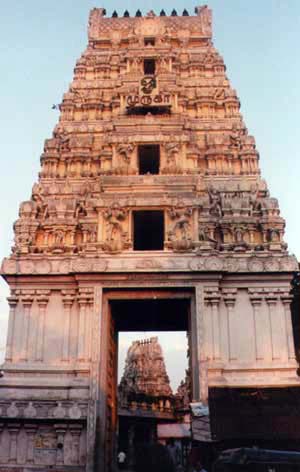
(148, 230)
(149, 66)
(149, 159)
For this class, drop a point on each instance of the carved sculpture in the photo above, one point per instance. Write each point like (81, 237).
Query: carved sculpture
(115, 236)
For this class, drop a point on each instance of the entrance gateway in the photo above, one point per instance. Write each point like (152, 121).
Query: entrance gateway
(149, 211)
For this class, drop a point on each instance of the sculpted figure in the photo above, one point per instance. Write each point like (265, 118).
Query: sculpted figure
(172, 150)
(114, 215)
(235, 137)
(125, 151)
(80, 209)
(181, 215)
(274, 235)
(63, 140)
(92, 235)
(59, 238)
(205, 235)
(215, 202)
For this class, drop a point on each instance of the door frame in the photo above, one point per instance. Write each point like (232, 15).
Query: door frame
(135, 293)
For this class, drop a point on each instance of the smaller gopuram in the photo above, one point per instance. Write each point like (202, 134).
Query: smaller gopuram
(145, 397)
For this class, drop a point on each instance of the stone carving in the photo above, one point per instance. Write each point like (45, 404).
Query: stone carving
(180, 233)
(12, 411)
(215, 202)
(171, 151)
(74, 412)
(125, 151)
(30, 411)
(59, 411)
(206, 237)
(115, 235)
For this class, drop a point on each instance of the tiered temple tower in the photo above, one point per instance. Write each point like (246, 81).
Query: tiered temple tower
(145, 371)
(150, 212)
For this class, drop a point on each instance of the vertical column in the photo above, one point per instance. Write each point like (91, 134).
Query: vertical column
(229, 300)
(42, 300)
(259, 343)
(75, 432)
(13, 432)
(30, 432)
(89, 322)
(60, 433)
(68, 300)
(271, 300)
(27, 300)
(12, 301)
(216, 327)
(286, 301)
(81, 339)
(196, 345)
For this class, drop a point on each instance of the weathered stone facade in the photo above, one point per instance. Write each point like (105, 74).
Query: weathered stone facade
(145, 86)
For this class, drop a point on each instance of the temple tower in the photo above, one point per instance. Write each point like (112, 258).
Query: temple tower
(149, 212)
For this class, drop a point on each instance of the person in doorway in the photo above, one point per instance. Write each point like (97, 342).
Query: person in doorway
(121, 460)
(174, 452)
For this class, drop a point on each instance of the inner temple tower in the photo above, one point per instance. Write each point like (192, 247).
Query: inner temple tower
(149, 213)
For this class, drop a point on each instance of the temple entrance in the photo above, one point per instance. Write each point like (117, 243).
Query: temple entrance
(136, 419)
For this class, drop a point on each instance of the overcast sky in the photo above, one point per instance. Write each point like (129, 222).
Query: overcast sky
(41, 40)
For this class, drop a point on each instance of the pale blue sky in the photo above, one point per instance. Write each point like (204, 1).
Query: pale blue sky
(41, 40)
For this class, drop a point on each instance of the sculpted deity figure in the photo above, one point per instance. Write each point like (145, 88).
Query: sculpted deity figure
(172, 150)
(63, 140)
(181, 214)
(215, 202)
(59, 238)
(205, 235)
(235, 137)
(125, 151)
(41, 205)
(114, 216)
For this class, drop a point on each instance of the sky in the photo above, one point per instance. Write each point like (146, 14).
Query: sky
(41, 40)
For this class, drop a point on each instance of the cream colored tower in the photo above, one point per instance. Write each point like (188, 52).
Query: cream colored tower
(149, 190)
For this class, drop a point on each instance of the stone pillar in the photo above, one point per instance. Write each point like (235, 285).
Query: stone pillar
(81, 340)
(42, 300)
(61, 430)
(30, 432)
(271, 300)
(229, 300)
(75, 432)
(27, 300)
(84, 301)
(13, 301)
(68, 300)
(89, 333)
(259, 337)
(216, 327)
(13, 430)
(286, 300)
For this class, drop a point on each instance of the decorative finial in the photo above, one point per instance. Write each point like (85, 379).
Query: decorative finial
(115, 14)
(162, 13)
(126, 14)
(174, 12)
(138, 13)
(185, 13)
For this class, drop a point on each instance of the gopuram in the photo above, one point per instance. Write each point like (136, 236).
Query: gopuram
(149, 214)
(145, 397)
